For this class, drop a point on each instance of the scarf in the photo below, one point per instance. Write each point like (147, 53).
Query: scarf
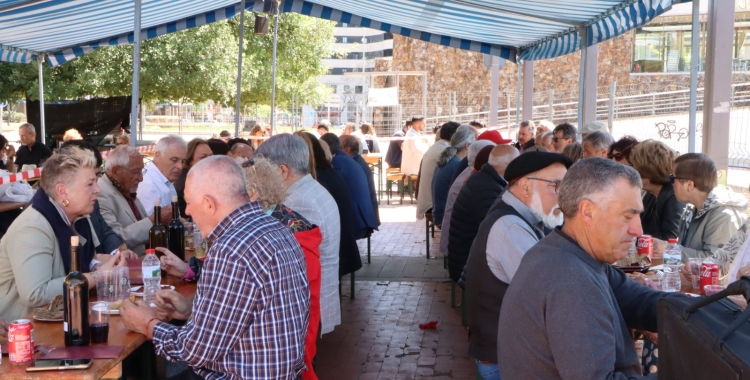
(129, 197)
(42, 203)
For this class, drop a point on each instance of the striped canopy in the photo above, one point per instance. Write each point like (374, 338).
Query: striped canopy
(512, 29)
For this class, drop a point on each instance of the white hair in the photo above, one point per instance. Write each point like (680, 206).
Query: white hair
(223, 170)
(120, 157)
(169, 142)
(599, 140)
(29, 128)
(469, 128)
(475, 147)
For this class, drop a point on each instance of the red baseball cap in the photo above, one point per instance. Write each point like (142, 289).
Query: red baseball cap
(494, 136)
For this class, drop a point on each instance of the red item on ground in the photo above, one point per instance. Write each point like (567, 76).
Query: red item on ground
(432, 325)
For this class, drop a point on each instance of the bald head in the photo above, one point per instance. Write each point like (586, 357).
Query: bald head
(501, 156)
(349, 144)
(207, 203)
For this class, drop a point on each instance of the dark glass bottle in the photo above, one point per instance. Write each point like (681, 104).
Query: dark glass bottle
(176, 231)
(157, 235)
(76, 302)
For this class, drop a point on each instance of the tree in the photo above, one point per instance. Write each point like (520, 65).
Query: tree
(195, 65)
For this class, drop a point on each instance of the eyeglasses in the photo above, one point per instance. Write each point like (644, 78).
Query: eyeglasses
(616, 156)
(672, 178)
(248, 163)
(556, 183)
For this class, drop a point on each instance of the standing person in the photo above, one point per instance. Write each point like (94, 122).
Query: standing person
(526, 134)
(350, 146)
(161, 173)
(309, 198)
(565, 289)
(562, 136)
(448, 163)
(596, 144)
(254, 328)
(370, 138)
(716, 213)
(429, 163)
(395, 152)
(364, 216)
(654, 161)
(31, 152)
(414, 147)
(514, 224)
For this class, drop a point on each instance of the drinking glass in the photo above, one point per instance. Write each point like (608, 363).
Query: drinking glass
(99, 321)
(122, 283)
(694, 266)
(105, 285)
(713, 289)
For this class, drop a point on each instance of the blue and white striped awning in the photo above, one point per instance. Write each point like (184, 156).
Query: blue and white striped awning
(512, 29)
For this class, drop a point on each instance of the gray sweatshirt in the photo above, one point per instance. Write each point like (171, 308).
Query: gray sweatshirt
(569, 315)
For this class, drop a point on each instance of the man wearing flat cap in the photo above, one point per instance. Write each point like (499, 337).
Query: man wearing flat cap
(514, 224)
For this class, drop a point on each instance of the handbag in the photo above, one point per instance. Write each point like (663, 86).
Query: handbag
(19, 191)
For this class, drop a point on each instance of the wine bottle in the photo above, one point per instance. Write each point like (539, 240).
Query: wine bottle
(157, 235)
(176, 231)
(76, 302)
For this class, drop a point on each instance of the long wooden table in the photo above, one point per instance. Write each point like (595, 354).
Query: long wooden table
(51, 334)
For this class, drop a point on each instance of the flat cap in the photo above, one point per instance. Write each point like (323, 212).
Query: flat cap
(530, 162)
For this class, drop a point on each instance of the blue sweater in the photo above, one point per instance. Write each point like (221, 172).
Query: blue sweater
(441, 184)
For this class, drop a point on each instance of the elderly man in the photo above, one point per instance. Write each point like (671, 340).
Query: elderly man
(596, 144)
(526, 134)
(352, 148)
(119, 204)
(562, 136)
(364, 216)
(457, 185)
(31, 152)
(429, 162)
(565, 289)
(254, 328)
(161, 173)
(471, 206)
(414, 147)
(240, 149)
(309, 198)
(544, 140)
(514, 224)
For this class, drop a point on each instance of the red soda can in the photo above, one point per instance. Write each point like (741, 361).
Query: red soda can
(21, 342)
(646, 246)
(709, 275)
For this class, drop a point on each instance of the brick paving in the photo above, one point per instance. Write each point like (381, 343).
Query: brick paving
(379, 337)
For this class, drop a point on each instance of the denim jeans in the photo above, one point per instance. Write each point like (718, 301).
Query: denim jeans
(488, 371)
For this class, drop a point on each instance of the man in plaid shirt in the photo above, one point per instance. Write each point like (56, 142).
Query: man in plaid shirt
(250, 313)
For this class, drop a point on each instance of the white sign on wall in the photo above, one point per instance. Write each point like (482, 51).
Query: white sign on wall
(381, 97)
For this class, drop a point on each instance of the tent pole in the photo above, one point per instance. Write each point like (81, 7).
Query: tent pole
(273, 74)
(136, 72)
(582, 31)
(518, 94)
(494, 90)
(239, 71)
(694, 67)
(40, 61)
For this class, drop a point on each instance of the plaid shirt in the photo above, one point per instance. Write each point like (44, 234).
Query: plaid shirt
(252, 305)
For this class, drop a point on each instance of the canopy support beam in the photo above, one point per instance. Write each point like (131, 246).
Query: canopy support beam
(528, 90)
(239, 71)
(494, 91)
(40, 62)
(136, 73)
(717, 100)
(273, 74)
(519, 79)
(694, 67)
(588, 81)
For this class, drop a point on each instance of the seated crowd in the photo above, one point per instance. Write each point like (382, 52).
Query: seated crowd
(529, 230)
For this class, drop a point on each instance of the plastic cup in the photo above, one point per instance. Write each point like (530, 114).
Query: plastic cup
(694, 265)
(105, 285)
(99, 321)
(122, 283)
(713, 289)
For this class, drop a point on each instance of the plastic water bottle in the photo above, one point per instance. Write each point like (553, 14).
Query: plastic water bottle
(672, 260)
(151, 269)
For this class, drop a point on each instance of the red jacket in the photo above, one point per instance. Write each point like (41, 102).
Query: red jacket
(310, 243)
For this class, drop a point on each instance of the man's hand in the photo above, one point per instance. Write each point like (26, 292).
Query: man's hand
(3, 329)
(129, 255)
(172, 264)
(115, 260)
(172, 305)
(10, 152)
(135, 316)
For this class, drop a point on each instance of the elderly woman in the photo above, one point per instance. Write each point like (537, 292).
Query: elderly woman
(444, 174)
(620, 150)
(716, 213)
(197, 150)
(654, 161)
(265, 185)
(35, 253)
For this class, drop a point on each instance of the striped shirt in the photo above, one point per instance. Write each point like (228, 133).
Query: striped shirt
(251, 307)
(311, 200)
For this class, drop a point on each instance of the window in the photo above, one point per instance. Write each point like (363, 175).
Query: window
(334, 88)
(347, 89)
(358, 89)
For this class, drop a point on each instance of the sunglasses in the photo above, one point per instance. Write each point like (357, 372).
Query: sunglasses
(616, 156)
(672, 178)
(248, 163)
(556, 183)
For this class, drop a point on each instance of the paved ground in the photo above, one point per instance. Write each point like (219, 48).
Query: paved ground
(400, 289)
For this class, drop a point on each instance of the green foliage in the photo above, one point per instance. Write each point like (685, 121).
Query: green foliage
(194, 65)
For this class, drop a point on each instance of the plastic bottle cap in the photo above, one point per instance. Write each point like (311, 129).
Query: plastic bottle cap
(672, 241)
(150, 251)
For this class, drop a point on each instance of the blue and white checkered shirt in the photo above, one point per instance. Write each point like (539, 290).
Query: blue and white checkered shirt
(251, 309)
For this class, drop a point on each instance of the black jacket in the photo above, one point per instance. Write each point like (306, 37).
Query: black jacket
(349, 259)
(528, 145)
(474, 200)
(661, 219)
